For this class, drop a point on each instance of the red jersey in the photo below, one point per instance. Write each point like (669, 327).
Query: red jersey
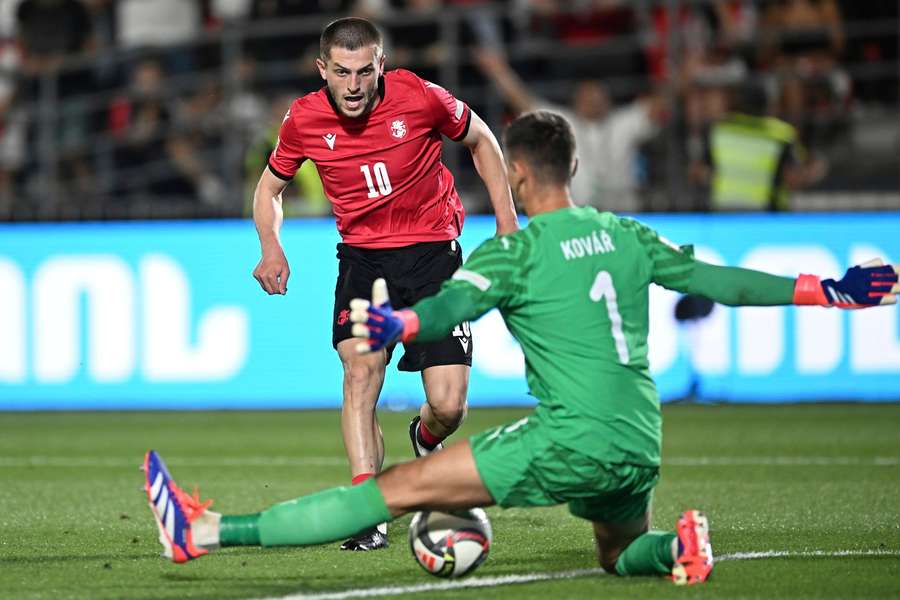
(382, 172)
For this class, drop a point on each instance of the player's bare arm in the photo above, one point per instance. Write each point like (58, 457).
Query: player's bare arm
(272, 270)
(862, 286)
(490, 166)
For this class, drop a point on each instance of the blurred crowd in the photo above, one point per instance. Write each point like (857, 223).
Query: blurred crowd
(168, 108)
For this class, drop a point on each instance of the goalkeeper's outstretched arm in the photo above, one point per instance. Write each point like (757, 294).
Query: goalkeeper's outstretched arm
(871, 284)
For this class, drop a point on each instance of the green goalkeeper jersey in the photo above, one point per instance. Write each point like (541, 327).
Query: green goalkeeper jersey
(573, 289)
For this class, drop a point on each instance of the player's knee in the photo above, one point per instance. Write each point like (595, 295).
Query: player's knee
(359, 373)
(448, 402)
(451, 413)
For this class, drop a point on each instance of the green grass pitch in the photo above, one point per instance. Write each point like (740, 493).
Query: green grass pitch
(814, 481)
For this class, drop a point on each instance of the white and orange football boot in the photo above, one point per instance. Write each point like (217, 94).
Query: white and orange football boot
(695, 560)
(173, 509)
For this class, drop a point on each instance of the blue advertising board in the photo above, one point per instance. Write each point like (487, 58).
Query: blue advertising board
(167, 315)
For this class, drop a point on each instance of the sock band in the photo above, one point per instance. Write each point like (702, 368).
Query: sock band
(428, 439)
(239, 530)
(361, 478)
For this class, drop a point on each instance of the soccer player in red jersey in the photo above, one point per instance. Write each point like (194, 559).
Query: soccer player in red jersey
(375, 138)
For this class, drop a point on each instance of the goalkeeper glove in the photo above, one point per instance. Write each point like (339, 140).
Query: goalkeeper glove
(377, 324)
(862, 286)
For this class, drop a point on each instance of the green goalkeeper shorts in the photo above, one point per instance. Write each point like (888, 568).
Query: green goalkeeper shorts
(520, 465)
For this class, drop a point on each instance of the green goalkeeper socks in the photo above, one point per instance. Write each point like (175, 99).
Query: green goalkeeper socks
(650, 554)
(239, 530)
(327, 516)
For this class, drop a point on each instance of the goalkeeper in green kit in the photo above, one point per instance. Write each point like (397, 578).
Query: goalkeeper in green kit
(573, 289)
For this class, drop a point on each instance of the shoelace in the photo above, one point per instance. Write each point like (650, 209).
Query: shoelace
(191, 504)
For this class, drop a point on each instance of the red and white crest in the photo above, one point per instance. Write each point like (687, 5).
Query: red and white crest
(398, 128)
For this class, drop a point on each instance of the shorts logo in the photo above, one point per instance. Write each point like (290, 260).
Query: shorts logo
(398, 129)
(343, 317)
(463, 333)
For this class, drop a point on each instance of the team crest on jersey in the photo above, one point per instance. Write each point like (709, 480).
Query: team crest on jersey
(398, 128)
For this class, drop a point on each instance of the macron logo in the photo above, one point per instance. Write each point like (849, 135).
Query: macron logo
(329, 139)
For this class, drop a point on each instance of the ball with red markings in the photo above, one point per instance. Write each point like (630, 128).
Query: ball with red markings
(450, 544)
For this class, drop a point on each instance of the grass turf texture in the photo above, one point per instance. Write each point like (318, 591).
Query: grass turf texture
(75, 523)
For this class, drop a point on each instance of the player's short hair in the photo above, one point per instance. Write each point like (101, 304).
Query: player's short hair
(546, 141)
(351, 33)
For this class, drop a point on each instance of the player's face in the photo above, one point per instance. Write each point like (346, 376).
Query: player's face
(352, 78)
(591, 100)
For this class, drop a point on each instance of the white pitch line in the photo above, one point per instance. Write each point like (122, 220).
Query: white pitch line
(247, 461)
(485, 582)
(472, 582)
(69, 462)
(805, 554)
(780, 461)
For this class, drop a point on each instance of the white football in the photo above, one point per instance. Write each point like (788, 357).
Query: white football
(450, 544)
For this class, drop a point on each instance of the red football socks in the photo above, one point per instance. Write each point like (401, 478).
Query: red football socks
(427, 438)
(361, 478)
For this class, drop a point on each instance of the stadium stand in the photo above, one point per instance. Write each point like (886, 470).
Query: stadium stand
(129, 112)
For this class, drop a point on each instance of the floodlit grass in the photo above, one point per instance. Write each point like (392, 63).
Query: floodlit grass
(74, 522)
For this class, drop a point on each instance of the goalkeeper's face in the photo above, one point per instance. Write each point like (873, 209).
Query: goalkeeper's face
(516, 174)
(352, 78)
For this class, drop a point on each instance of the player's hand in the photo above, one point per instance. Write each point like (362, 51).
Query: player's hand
(272, 272)
(377, 324)
(862, 286)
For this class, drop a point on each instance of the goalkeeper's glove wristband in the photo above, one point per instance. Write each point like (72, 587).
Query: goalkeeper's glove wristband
(808, 292)
(410, 321)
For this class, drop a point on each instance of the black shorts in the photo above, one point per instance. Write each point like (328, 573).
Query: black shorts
(412, 273)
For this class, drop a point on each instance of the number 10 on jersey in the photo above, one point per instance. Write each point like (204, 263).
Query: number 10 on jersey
(381, 177)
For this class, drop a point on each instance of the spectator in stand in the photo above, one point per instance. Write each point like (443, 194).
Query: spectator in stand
(300, 49)
(201, 119)
(752, 162)
(587, 25)
(230, 11)
(49, 33)
(150, 165)
(102, 14)
(416, 45)
(718, 33)
(608, 139)
(300, 8)
(12, 129)
(483, 26)
(306, 197)
(869, 49)
(12, 154)
(50, 30)
(166, 26)
(803, 41)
